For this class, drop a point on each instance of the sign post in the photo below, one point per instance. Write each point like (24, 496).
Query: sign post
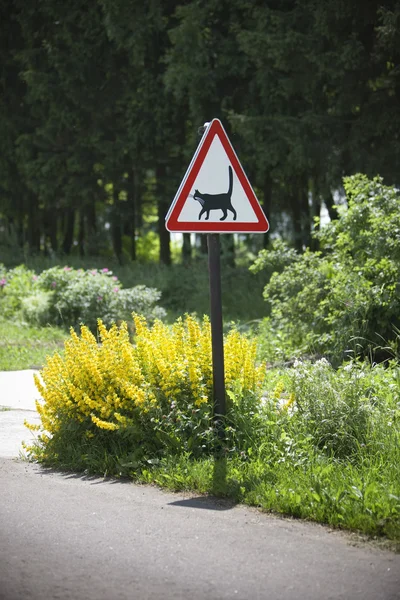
(216, 197)
(217, 339)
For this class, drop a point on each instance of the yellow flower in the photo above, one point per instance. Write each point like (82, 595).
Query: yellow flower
(278, 390)
(31, 427)
(291, 400)
(113, 382)
(201, 400)
(104, 424)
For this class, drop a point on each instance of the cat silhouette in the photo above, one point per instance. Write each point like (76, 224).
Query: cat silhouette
(216, 201)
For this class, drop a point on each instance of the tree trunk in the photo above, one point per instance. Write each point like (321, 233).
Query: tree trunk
(329, 203)
(228, 250)
(132, 211)
(33, 225)
(52, 231)
(69, 231)
(315, 210)
(186, 249)
(21, 230)
(138, 198)
(266, 206)
(162, 209)
(81, 232)
(116, 227)
(301, 215)
(203, 243)
(91, 227)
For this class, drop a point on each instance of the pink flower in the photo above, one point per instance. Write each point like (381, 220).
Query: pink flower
(105, 270)
(116, 289)
(53, 284)
(114, 278)
(94, 272)
(99, 298)
(3, 282)
(67, 268)
(34, 277)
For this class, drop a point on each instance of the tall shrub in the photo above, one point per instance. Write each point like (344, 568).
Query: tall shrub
(345, 297)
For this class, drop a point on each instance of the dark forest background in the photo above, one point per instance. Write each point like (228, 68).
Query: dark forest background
(100, 103)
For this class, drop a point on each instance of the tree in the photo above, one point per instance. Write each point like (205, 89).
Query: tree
(17, 202)
(156, 122)
(100, 99)
(309, 88)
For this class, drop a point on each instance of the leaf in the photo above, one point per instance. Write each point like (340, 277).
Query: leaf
(356, 491)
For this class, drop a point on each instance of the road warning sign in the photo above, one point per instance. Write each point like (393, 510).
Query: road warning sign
(215, 195)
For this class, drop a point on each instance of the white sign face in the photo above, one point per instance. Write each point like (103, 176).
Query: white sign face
(214, 178)
(215, 195)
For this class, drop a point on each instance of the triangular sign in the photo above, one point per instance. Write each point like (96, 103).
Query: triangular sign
(215, 195)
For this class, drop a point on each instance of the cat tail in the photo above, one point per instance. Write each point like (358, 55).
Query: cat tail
(230, 181)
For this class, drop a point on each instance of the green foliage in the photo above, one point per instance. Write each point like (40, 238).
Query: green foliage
(98, 101)
(321, 444)
(344, 298)
(37, 308)
(83, 296)
(343, 409)
(67, 297)
(184, 288)
(15, 284)
(140, 299)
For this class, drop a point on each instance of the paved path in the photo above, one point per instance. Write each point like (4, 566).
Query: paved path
(17, 395)
(69, 537)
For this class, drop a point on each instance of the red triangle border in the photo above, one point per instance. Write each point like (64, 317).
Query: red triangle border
(173, 225)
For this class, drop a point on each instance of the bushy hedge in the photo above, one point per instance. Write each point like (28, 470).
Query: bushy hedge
(137, 402)
(69, 297)
(344, 298)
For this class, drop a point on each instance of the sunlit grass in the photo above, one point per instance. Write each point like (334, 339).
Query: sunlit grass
(25, 347)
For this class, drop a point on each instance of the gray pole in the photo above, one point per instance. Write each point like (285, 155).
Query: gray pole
(217, 341)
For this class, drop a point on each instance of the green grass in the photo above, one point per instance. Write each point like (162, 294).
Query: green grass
(25, 347)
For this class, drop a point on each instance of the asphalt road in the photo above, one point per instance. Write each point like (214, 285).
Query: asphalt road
(69, 537)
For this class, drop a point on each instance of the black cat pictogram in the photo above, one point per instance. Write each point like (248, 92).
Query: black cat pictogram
(216, 201)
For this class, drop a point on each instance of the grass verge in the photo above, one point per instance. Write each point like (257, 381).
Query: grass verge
(354, 497)
(26, 347)
(348, 497)
(321, 444)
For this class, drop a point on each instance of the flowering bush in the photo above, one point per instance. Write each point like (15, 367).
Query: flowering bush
(340, 411)
(68, 297)
(137, 401)
(15, 284)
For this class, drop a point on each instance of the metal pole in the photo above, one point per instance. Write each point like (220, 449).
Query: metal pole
(217, 341)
